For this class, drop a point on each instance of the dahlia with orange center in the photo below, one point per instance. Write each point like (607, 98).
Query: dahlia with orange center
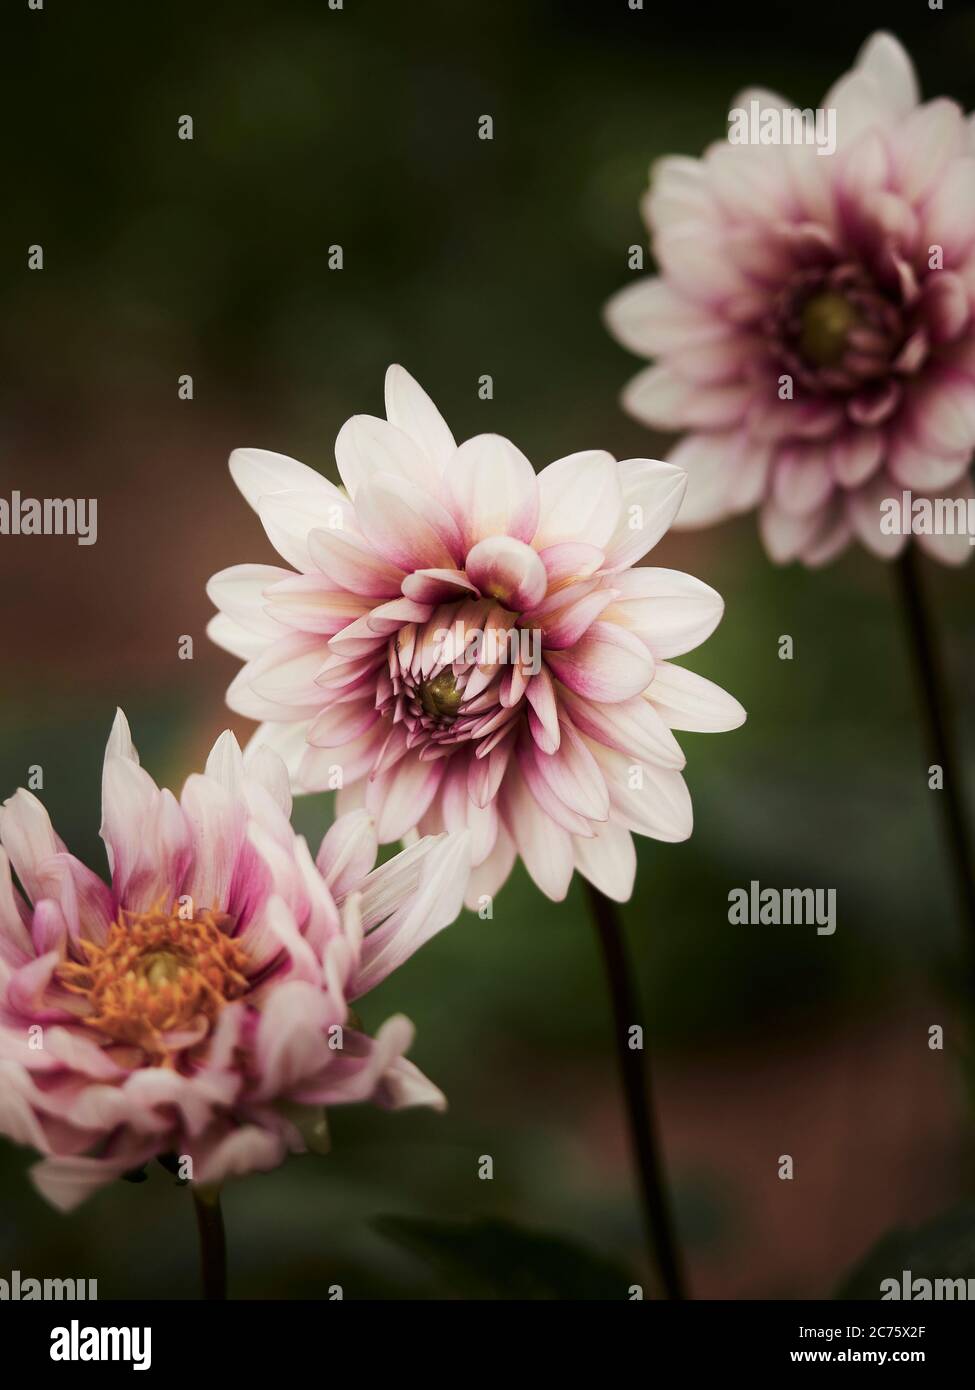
(464, 645)
(199, 1004)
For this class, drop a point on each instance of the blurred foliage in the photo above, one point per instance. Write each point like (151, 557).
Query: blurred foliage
(940, 1249)
(494, 1259)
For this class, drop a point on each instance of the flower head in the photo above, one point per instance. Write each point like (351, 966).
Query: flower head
(467, 645)
(198, 1005)
(813, 316)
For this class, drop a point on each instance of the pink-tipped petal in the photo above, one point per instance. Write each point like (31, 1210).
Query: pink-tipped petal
(509, 571)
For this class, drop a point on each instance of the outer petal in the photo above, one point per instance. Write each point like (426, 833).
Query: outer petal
(411, 410)
(688, 701)
(652, 493)
(493, 490)
(239, 593)
(434, 905)
(367, 446)
(407, 530)
(580, 500)
(645, 798)
(670, 612)
(608, 860)
(545, 847)
(608, 664)
(399, 797)
(348, 852)
(257, 472)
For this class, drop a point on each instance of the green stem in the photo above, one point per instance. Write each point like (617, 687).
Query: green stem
(213, 1242)
(634, 1069)
(932, 690)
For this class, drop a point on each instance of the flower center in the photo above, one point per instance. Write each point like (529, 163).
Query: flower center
(440, 696)
(456, 679)
(825, 326)
(158, 978)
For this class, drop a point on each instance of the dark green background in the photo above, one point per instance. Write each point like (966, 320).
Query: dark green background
(462, 257)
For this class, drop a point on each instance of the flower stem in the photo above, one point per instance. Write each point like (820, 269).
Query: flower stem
(634, 1069)
(213, 1242)
(930, 678)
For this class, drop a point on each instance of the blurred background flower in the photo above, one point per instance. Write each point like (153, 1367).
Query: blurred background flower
(814, 314)
(463, 257)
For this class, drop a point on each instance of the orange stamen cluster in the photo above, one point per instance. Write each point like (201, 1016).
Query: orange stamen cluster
(157, 974)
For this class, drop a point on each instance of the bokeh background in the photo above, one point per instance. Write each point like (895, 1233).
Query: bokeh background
(162, 257)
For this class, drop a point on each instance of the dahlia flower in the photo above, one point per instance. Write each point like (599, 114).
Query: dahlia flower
(464, 645)
(199, 1005)
(812, 322)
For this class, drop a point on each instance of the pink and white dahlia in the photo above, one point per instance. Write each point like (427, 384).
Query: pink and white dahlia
(199, 1005)
(466, 646)
(814, 317)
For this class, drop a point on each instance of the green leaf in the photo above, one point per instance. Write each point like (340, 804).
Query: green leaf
(940, 1249)
(495, 1259)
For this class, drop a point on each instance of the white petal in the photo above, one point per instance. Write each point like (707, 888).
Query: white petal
(258, 472)
(671, 612)
(493, 490)
(288, 517)
(688, 701)
(888, 65)
(367, 445)
(580, 499)
(239, 593)
(411, 410)
(652, 494)
(607, 860)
